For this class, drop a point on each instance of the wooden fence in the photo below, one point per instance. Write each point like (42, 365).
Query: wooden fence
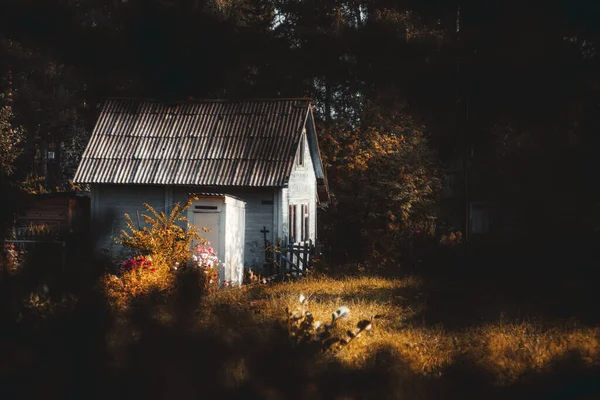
(27, 238)
(294, 258)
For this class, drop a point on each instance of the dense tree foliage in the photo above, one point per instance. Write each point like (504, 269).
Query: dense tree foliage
(386, 182)
(509, 90)
(10, 140)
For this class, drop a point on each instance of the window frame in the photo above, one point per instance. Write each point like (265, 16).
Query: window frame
(292, 223)
(305, 222)
(300, 159)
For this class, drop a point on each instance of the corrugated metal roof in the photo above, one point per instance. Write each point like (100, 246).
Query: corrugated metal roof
(211, 142)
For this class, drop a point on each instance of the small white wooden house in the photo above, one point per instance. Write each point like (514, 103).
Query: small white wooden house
(254, 167)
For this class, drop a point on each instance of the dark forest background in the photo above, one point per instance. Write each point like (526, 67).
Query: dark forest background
(441, 123)
(425, 108)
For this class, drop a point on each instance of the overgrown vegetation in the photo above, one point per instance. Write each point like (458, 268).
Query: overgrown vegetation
(160, 247)
(506, 349)
(420, 358)
(304, 329)
(166, 236)
(11, 137)
(385, 181)
(280, 340)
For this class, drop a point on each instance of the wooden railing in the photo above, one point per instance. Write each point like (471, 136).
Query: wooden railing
(294, 258)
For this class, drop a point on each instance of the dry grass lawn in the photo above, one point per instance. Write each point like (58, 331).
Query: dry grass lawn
(506, 349)
(418, 360)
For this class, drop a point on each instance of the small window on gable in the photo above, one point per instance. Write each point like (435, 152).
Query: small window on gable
(301, 149)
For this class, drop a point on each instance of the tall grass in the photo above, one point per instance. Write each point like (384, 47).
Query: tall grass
(505, 350)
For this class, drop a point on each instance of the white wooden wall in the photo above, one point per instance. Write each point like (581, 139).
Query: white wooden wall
(265, 207)
(258, 215)
(110, 203)
(235, 219)
(302, 189)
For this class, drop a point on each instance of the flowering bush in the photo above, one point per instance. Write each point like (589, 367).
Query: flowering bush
(162, 245)
(12, 258)
(136, 263)
(139, 277)
(207, 262)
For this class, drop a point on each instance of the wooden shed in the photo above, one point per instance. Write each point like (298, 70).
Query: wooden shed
(264, 153)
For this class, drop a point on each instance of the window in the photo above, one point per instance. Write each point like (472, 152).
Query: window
(301, 149)
(51, 151)
(482, 218)
(206, 207)
(302, 230)
(305, 223)
(292, 223)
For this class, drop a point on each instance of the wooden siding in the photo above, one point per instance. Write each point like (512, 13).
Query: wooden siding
(235, 220)
(230, 213)
(111, 202)
(302, 189)
(258, 215)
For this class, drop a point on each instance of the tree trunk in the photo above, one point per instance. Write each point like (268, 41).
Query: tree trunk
(328, 100)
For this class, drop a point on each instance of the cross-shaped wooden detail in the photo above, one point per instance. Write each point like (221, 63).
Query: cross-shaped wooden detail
(264, 231)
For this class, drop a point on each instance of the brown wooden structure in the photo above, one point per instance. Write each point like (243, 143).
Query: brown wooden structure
(294, 258)
(58, 214)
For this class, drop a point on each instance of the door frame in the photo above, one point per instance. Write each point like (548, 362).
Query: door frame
(218, 203)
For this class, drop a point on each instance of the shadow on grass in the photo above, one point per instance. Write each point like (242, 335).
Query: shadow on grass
(549, 279)
(70, 357)
(460, 305)
(75, 354)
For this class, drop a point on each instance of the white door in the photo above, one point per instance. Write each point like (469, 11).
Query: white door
(209, 220)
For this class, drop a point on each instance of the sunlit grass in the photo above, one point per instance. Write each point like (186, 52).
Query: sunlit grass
(510, 350)
(507, 350)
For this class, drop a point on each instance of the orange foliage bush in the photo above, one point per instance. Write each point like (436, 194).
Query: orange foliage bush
(139, 278)
(162, 245)
(385, 181)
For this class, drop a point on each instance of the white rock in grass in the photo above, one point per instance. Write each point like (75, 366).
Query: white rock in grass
(301, 298)
(341, 312)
